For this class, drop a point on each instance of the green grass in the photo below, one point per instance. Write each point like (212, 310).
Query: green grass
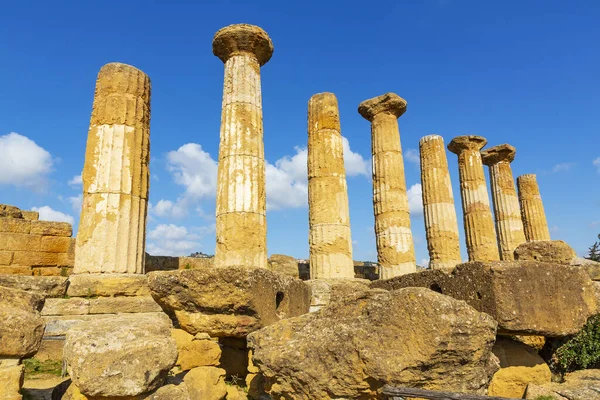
(33, 366)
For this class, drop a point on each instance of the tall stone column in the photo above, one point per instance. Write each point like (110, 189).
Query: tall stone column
(441, 226)
(532, 209)
(395, 247)
(507, 212)
(478, 222)
(241, 225)
(329, 217)
(112, 227)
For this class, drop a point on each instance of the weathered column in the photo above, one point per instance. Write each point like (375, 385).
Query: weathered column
(395, 248)
(441, 226)
(532, 209)
(241, 225)
(507, 212)
(112, 227)
(478, 222)
(330, 241)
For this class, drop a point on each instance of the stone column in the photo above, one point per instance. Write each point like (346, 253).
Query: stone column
(478, 222)
(441, 226)
(532, 209)
(395, 248)
(241, 225)
(112, 227)
(507, 212)
(329, 217)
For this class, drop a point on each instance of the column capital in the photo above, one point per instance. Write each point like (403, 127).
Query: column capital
(466, 142)
(242, 38)
(497, 154)
(389, 103)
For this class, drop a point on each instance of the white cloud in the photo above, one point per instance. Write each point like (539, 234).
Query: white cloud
(75, 181)
(48, 214)
(596, 163)
(560, 167)
(287, 181)
(171, 232)
(174, 240)
(194, 169)
(412, 156)
(415, 199)
(76, 202)
(173, 248)
(354, 163)
(23, 162)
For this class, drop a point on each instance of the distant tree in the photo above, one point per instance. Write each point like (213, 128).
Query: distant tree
(594, 251)
(200, 254)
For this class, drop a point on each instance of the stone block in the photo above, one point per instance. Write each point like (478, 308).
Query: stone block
(51, 228)
(56, 244)
(19, 241)
(206, 383)
(30, 215)
(62, 271)
(22, 270)
(12, 381)
(283, 264)
(91, 285)
(525, 297)
(22, 326)
(138, 304)
(6, 257)
(551, 251)
(47, 286)
(13, 225)
(8, 211)
(228, 302)
(323, 291)
(577, 385)
(71, 306)
(58, 325)
(194, 352)
(50, 349)
(41, 259)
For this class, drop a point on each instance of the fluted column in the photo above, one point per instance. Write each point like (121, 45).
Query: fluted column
(479, 225)
(532, 209)
(441, 226)
(330, 241)
(395, 247)
(241, 225)
(507, 212)
(112, 227)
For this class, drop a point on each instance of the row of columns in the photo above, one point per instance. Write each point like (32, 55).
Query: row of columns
(115, 179)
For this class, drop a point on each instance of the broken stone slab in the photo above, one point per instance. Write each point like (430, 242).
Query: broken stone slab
(206, 383)
(551, 251)
(124, 355)
(194, 351)
(528, 297)
(367, 339)
(323, 291)
(100, 305)
(8, 211)
(92, 285)
(22, 326)
(577, 385)
(47, 286)
(591, 267)
(230, 302)
(283, 264)
(11, 382)
(58, 325)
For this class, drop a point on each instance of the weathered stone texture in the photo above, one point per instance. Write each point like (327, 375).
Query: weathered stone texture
(108, 285)
(195, 351)
(578, 385)
(393, 234)
(22, 326)
(206, 383)
(46, 286)
(285, 265)
(11, 381)
(120, 356)
(228, 302)
(325, 291)
(532, 209)
(507, 212)
(553, 251)
(30, 215)
(441, 225)
(115, 176)
(7, 211)
(353, 347)
(525, 297)
(478, 222)
(241, 226)
(100, 305)
(330, 241)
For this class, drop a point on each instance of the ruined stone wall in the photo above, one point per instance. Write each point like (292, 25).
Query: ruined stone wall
(32, 247)
(168, 263)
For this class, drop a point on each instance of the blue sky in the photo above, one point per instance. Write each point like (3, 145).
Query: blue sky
(518, 72)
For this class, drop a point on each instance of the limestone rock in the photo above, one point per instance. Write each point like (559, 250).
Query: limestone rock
(551, 251)
(589, 266)
(515, 293)
(283, 264)
(170, 392)
(236, 393)
(578, 385)
(22, 326)
(324, 291)
(11, 381)
(228, 302)
(206, 383)
(47, 286)
(7, 211)
(194, 352)
(350, 349)
(519, 366)
(91, 285)
(124, 355)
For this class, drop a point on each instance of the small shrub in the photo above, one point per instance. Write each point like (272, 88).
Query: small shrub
(188, 266)
(33, 366)
(582, 350)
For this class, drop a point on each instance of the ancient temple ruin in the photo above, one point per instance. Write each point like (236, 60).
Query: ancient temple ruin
(128, 325)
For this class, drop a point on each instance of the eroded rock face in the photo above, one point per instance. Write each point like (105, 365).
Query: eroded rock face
(229, 302)
(206, 383)
(353, 347)
(47, 286)
(283, 264)
(22, 327)
(120, 356)
(578, 385)
(526, 297)
(553, 251)
(11, 381)
(7, 211)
